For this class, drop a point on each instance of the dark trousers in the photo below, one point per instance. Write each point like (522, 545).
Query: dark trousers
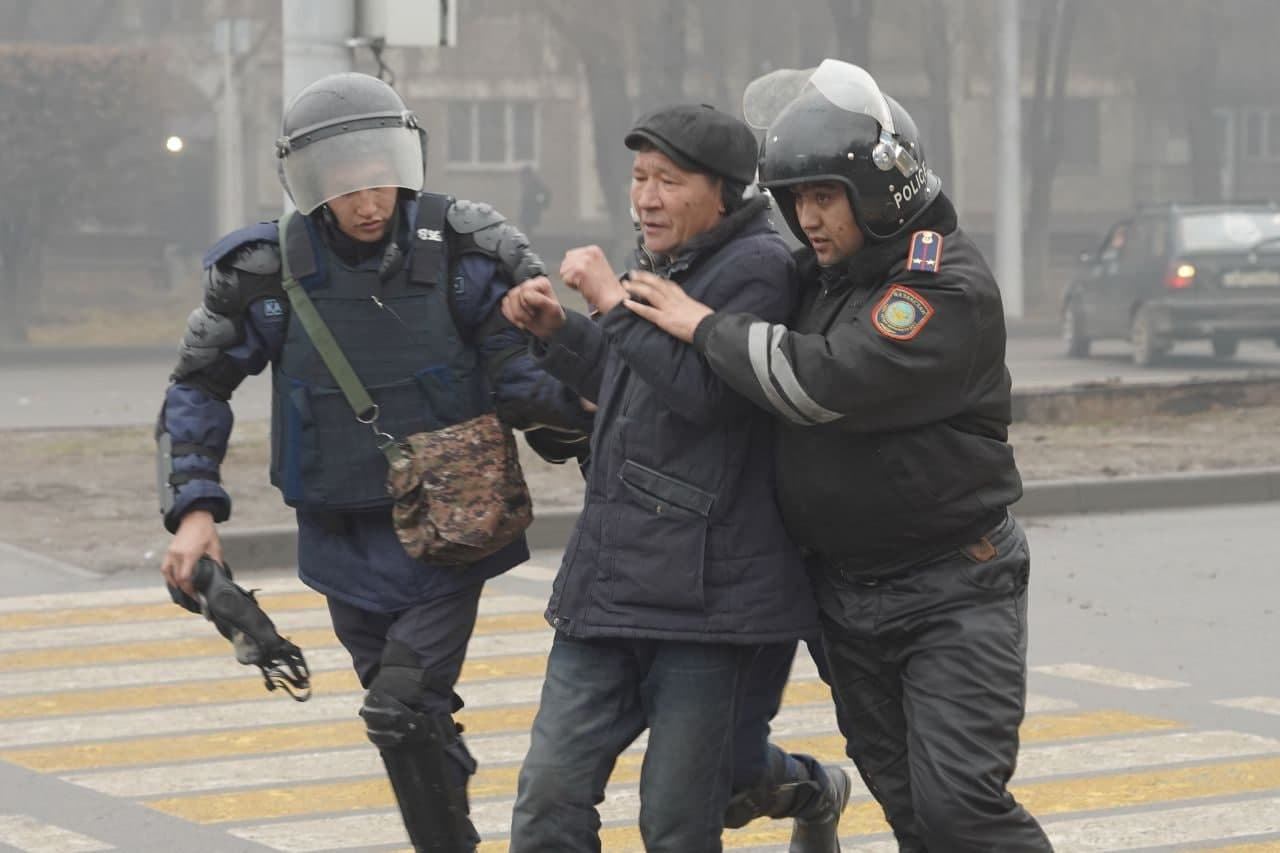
(437, 631)
(928, 669)
(598, 696)
(760, 701)
(767, 781)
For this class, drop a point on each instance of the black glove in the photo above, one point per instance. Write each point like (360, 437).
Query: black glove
(236, 614)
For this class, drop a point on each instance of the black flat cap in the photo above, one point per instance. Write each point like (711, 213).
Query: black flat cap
(699, 138)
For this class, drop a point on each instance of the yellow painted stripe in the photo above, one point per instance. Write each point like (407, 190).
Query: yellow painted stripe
(1097, 793)
(318, 736)
(23, 619)
(241, 742)
(266, 804)
(229, 690)
(214, 645)
(1260, 847)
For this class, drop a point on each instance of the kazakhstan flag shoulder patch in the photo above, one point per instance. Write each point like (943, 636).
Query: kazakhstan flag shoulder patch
(901, 314)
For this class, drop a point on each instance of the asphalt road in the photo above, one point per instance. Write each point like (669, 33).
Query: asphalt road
(127, 392)
(1154, 708)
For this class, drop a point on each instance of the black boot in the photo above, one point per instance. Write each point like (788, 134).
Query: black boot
(796, 786)
(817, 827)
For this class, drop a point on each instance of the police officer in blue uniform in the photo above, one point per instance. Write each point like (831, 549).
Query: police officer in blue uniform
(408, 282)
(895, 475)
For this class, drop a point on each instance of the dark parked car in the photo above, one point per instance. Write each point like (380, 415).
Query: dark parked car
(1179, 272)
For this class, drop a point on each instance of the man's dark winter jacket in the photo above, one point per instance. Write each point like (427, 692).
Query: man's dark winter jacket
(680, 537)
(893, 397)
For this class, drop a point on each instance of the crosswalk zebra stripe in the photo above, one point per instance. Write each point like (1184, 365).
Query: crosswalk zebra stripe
(862, 818)
(342, 762)
(29, 835)
(177, 623)
(1044, 799)
(224, 666)
(25, 660)
(151, 749)
(94, 600)
(1108, 677)
(497, 779)
(113, 605)
(1262, 704)
(1181, 826)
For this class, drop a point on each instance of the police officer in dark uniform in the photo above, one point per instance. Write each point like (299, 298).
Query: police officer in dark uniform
(408, 283)
(894, 471)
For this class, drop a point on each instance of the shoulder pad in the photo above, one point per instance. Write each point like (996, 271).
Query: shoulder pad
(244, 275)
(468, 217)
(925, 254)
(262, 232)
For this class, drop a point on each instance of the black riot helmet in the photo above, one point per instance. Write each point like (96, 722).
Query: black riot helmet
(833, 123)
(348, 132)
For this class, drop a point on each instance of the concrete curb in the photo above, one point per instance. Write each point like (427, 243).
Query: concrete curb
(252, 549)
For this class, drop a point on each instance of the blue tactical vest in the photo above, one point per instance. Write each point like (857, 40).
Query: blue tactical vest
(402, 341)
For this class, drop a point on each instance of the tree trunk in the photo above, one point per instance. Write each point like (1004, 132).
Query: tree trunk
(1045, 132)
(610, 120)
(592, 33)
(852, 20)
(712, 16)
(1200, 86)
(13, 322)
(14, 302)
(661, 55)
(937, 67)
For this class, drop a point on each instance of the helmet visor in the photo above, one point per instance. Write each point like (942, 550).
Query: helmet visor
(351, 161)
(846, 87)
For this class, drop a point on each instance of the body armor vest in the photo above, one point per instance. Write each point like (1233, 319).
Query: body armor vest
(399, 333)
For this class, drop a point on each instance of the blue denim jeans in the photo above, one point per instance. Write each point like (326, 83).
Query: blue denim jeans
(599, 695)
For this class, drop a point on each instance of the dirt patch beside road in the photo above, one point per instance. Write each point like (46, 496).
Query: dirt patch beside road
(87, 497)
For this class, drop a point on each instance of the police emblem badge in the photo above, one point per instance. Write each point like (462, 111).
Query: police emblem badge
(926, 251)
(901, 314)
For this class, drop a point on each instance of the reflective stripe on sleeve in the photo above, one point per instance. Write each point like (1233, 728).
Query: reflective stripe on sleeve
(778, 380)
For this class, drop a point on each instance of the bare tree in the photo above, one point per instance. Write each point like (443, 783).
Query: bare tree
(852, 20)
(938, 49)
(1054, 33)
(70, 121)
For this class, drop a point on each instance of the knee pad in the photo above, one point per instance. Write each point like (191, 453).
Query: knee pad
(401, 677)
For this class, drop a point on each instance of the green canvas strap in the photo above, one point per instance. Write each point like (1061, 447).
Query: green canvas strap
(366, 411)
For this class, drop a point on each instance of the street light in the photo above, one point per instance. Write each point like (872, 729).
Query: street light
(174, 144)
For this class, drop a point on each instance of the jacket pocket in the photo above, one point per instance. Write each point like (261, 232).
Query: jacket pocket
(663, 492)
(659, 542)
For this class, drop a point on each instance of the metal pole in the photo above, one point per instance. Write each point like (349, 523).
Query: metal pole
(315, 34)
(230, 159)
(1008, 213)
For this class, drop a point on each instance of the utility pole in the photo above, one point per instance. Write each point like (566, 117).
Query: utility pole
(1008, 212)
(231, 39)
(315, 35)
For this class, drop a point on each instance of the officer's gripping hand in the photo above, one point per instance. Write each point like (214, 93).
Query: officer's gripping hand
(665, 304)
(532, 305)
(197, 537)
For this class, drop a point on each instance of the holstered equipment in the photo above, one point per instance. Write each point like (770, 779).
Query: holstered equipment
(235, 612)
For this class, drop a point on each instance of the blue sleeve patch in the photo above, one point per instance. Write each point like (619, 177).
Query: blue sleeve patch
(262, 231)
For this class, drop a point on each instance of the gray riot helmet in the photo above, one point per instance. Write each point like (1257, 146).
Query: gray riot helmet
(833, 123)
(348, 132)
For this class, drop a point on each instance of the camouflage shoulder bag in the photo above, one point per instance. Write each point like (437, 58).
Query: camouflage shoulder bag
(458, 492)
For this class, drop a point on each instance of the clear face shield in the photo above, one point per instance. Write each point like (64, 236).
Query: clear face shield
(844, 87)
(322, 164)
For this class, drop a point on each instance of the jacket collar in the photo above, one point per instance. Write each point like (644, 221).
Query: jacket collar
(871, 264)
(751, 218)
